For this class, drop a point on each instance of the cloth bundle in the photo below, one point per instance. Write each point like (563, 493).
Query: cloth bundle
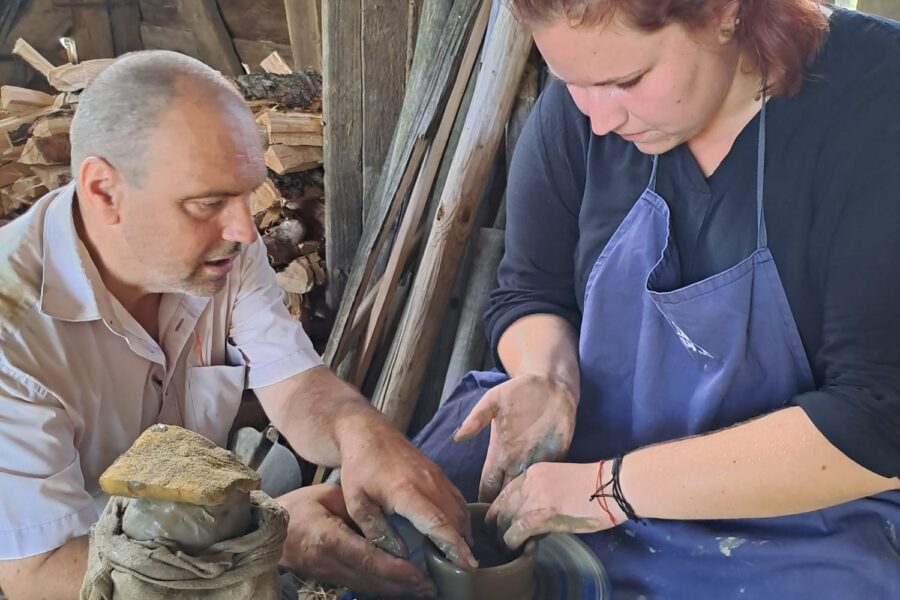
(241, 568)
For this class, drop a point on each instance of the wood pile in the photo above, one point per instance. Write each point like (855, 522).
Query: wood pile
(288, 209)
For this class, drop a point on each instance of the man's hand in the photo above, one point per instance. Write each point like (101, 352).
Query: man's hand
(320, 543)
(552, 498)
(382, 473)
(532, 420)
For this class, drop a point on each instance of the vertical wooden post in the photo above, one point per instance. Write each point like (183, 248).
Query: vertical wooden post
(92, 33)
(125, 22)
(495, 90)
(342, 109)
(214, 44)
(305, 30)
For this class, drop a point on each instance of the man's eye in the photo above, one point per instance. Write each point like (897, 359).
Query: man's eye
(212, 204)
(630, 84)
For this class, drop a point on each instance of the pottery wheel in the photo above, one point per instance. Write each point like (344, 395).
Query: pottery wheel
(566, 569)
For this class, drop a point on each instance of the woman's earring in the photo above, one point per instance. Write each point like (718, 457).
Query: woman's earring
(726, 33)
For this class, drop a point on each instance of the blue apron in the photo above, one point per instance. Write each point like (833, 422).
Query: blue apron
(661, 362)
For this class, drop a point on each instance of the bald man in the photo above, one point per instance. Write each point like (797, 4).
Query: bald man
(141, 293)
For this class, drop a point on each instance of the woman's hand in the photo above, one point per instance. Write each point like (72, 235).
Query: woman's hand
(532, 420)
(553, 498)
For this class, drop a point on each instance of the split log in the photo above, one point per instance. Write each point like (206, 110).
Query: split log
(275, 63)
(292, 128)
(54, 176)
(507, 52)
(283, 241)
(264, 197)
(12, 172)
(49, 150)
(292, 159)
(301, 90)
(298, 277)
(26, 52)
(73, 78)
(17, 99)
(53, 124)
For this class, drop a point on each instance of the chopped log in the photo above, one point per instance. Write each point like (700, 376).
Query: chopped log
(274, 63)
(12, 172)
(292, 159)
(73, 78)
(470, 346)
(318, 268)
(17, 99)
(253, 53)
(304, 29)
(53, 176)
(297, 277)
(402, 247)
(283, 241)
(264, 197)
(301, 90)
(20, 194)
(436, 82)
(495, 90)
(26, 52)
(309, 247)
(52, 125)
(16, 127)
(292, 128)
(49, 150)
(272, 215)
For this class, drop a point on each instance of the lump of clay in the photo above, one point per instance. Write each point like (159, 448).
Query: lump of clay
(185, 488)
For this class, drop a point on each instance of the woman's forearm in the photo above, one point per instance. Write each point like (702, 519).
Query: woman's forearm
(544, 345)
(776, 465)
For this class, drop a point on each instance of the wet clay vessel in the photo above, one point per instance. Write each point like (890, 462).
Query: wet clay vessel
(503, 574)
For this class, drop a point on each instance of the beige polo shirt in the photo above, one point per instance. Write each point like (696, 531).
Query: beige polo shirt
(80, 379)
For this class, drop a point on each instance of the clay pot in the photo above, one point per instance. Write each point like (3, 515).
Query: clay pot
(503, 575)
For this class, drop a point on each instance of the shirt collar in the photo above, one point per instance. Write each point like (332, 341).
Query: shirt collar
(68, 287)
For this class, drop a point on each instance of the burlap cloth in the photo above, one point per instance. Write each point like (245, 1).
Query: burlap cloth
(241, 568)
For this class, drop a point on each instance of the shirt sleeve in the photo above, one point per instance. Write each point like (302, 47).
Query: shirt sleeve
(43, 501)
(857, 405)
(273, 343)
(545, 185)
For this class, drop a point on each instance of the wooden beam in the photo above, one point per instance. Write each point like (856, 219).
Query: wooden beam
(342, 108)
(436, 81)
(213, 40)
(125, 23)
(305, 31)
(91, 29)
(507, 52)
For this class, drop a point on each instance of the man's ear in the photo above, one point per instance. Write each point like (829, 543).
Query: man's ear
(101, 188)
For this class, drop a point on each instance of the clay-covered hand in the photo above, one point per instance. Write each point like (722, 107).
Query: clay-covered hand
(321, 544)
(383, 473)
(532, 420)
(551, 498)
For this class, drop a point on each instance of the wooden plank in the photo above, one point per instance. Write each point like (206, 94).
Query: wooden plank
(91, 29)
(15, 99)
(435, 80)
(252, 53)
(470, 346)
(262, 20)
(342, 108)
(214, 43)
(305, 32)
(163, 13)
(156, 37)
(419, 200)
(26, 52)
(383, 84)
(507, 52)
(125, 24)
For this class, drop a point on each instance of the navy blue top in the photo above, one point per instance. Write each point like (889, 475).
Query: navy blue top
(832, 209)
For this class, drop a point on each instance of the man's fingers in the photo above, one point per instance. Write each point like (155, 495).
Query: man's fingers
(375, 527)
(434, 524)
(480, 417)
(493, 474)
(528, 526)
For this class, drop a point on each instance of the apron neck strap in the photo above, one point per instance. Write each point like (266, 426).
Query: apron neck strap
(761, 237)
(652, 185)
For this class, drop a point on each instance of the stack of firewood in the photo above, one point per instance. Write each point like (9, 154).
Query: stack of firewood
(288, 209)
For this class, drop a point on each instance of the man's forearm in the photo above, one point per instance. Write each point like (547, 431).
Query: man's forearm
(314, 410)
(57, 574)
(776, 465)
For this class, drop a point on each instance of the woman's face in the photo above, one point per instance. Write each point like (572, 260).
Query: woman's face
(656, 89)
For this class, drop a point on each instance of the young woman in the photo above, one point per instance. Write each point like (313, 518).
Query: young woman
(698, 305)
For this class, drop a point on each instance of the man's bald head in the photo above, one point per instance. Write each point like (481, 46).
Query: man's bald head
(123, 106)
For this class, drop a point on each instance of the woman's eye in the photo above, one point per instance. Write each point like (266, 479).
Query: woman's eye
(630, 84)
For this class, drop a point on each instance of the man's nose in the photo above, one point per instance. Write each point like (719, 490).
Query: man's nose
(605, 111)
(239, 225)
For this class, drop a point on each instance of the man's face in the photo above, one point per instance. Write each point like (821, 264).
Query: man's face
(656, 90)
(190, 217)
